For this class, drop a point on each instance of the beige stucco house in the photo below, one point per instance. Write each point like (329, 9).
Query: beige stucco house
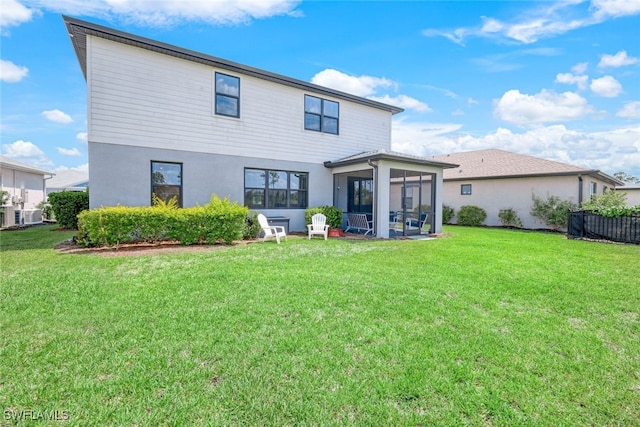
(633, 193)
(25, 186)
(496, 179)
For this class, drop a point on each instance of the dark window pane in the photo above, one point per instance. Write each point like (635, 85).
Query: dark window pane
(254, 198)
(312, 122)
(329, 125)
(312, 104)
(277, 179)
(254, 178)
(227, 106)
(166, 173)
(277, 199)
(331, 109)
(227, 85)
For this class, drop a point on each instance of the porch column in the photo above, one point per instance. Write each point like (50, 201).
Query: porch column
(437, 207)
(382, 200)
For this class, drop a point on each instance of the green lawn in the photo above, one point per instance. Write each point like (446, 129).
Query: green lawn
(484, 327)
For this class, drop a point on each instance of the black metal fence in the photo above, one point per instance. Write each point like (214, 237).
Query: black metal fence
(587, 225)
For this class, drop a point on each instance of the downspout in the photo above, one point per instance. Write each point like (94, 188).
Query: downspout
(580, 190)
(375, 195)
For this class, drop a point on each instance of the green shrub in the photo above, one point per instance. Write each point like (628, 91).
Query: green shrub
(471, 215)
(67, 205)
(251, 226)
(553, 211)
(509, 218)
(333, 214)
(611, 204)
(447, 214)
(219, 221)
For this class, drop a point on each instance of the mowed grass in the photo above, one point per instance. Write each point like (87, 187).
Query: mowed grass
(483, 327)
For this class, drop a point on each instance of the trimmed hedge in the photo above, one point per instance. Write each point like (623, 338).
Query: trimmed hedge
(219, 221)
(67, 205)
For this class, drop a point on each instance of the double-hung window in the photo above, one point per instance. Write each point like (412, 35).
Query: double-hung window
(166, 181)
(321, 115)
(273, 189)
(227, 95)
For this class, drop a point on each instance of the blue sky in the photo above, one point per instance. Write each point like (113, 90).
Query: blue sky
(557, 80)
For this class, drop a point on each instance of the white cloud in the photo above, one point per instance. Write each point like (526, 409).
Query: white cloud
(57, 116)
(13, 14)
(543, 20)
(580, 68)
(69, 151)
(568, 78)
(356, 85)
(614, 8)
(606, 86)
(609, 151)
(403, 101)
(82, 136)
(170, 12)
(27, 152)
(457, 112)
(12, 73)
(368, 86)
(472, 101)
(546, 106)
(631, 110)
(620, 59)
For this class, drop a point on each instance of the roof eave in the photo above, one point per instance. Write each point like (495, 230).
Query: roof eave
(386, 156)
(79, 29)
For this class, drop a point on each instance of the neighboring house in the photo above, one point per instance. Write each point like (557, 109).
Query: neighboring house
(633, 193)
(497, 179)
(177, 123)
(68, 180)
(25, 186)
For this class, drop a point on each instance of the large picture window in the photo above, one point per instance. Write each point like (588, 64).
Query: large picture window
(321, 115)
(227, 95)
(166, 181)
(272, 189)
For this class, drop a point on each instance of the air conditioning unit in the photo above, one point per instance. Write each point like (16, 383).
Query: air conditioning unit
(32, 216)
(9, 217)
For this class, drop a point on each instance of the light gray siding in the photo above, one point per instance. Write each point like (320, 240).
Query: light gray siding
(121, 174)
(147, 99)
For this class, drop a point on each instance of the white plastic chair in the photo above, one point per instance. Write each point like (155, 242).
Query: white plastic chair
(318, 226)
(269, 231)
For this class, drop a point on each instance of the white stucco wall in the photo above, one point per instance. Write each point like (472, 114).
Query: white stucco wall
(492, 195)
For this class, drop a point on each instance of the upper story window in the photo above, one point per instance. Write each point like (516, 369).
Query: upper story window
(227, 95)
(166, 181)
(321, 115)
(274, 189)
(465, 189)
(594, 189)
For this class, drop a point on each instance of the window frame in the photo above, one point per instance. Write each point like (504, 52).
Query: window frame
(178, 186)
(323, 117)
(272, 191)
(218, 93)
(466, 187)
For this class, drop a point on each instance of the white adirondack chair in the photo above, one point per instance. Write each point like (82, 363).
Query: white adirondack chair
(269, 231)
(318, 226)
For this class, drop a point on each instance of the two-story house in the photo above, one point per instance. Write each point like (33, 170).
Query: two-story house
(177, 123)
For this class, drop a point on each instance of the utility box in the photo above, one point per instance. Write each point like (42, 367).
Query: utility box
(281, 221)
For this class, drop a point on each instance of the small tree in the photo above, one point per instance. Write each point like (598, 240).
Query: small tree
(553, 211)
(67, 205)
(509, 218)
(471, 215)
(447, 214)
